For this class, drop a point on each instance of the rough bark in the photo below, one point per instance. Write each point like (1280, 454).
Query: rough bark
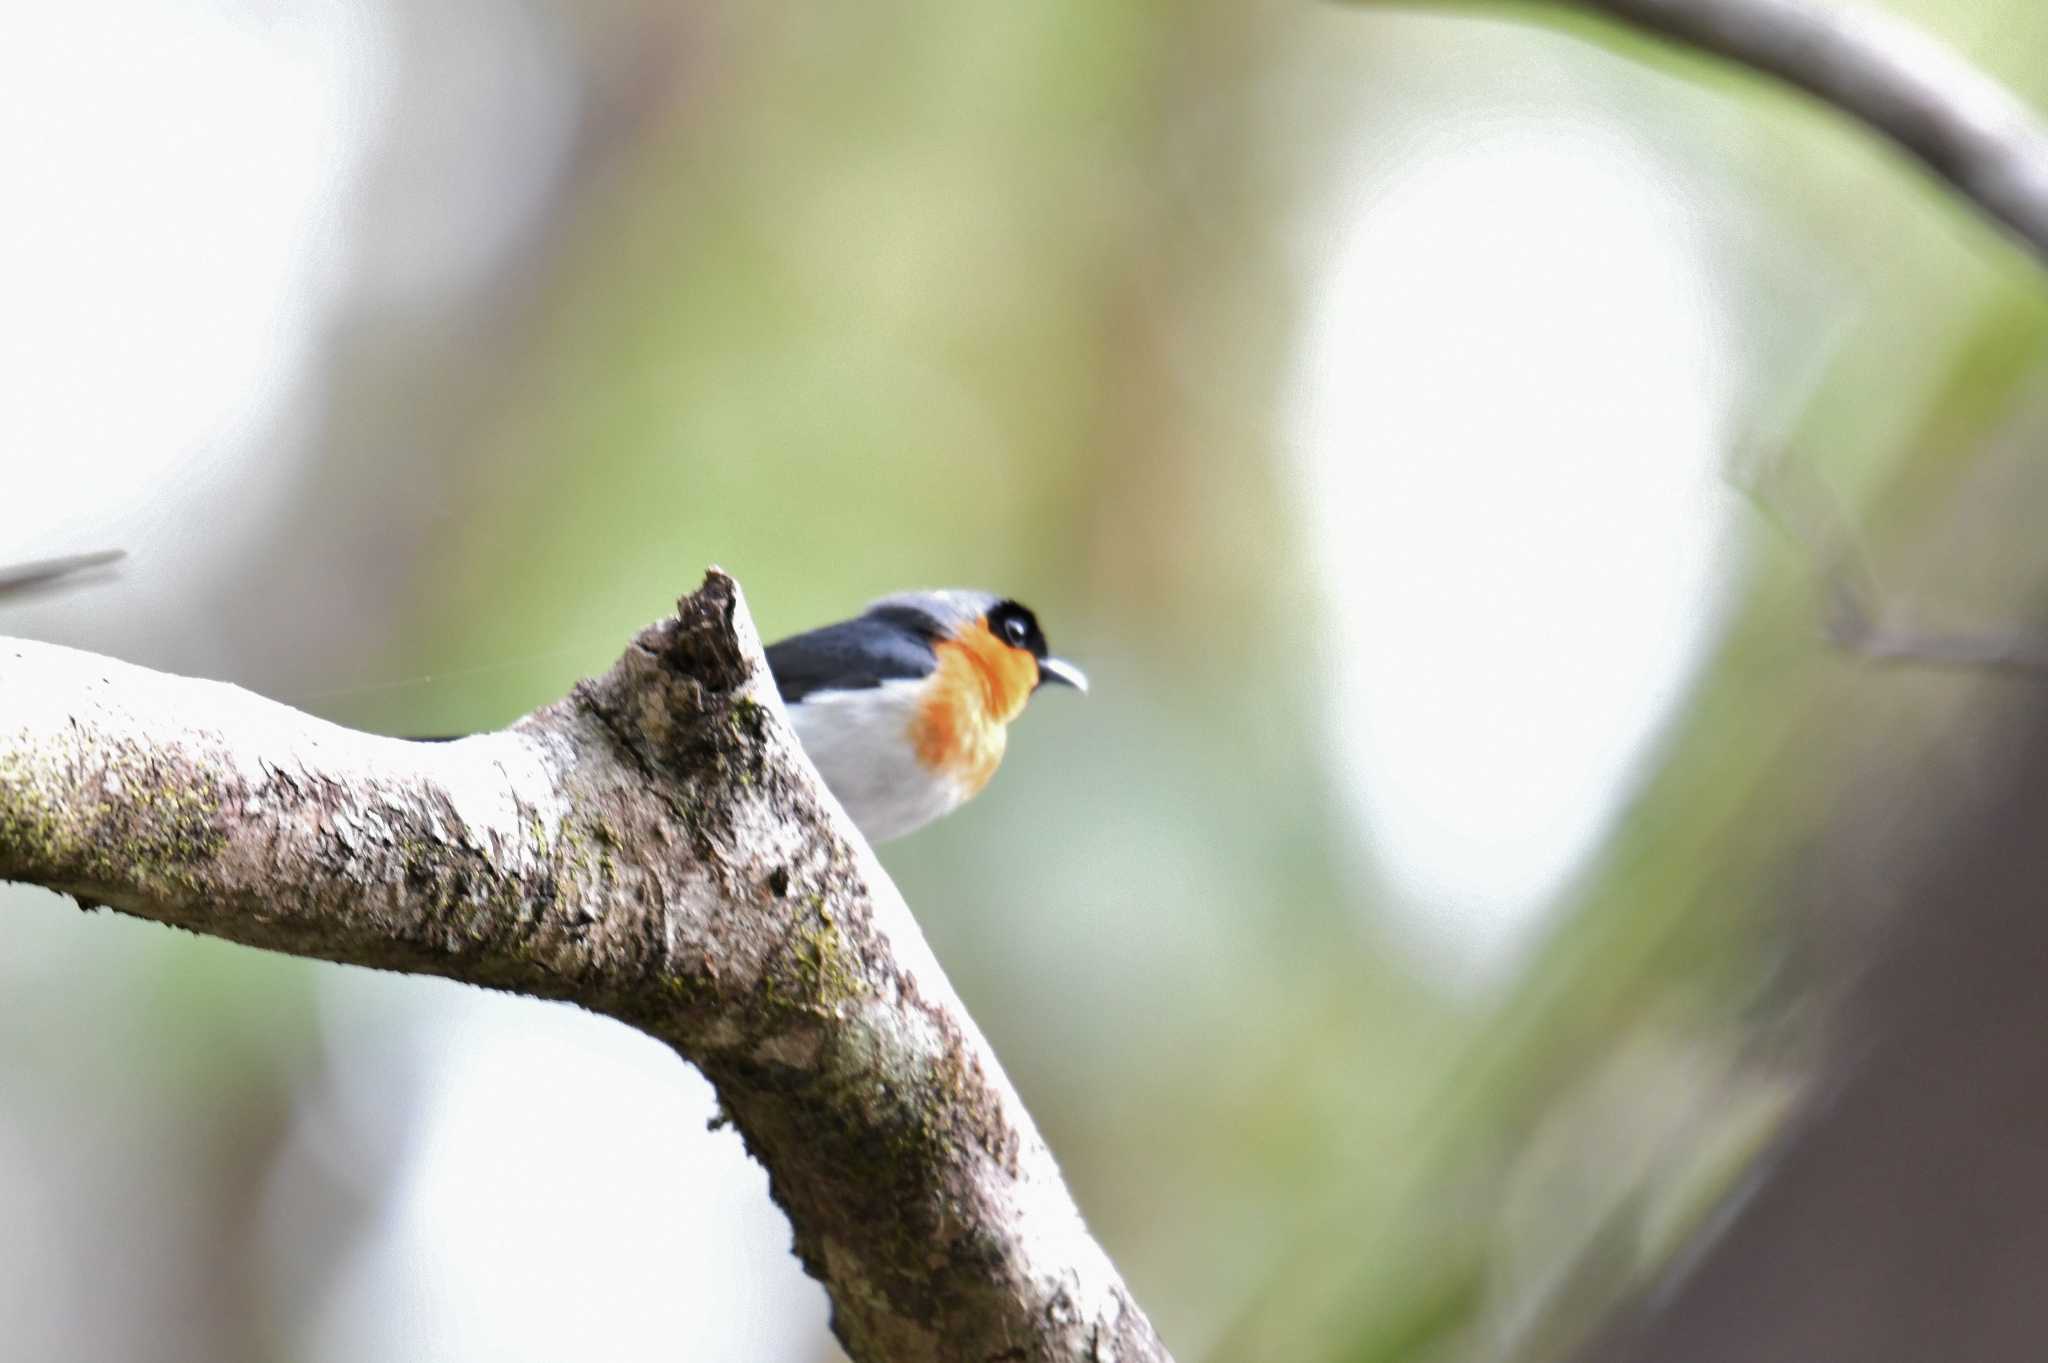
(654, 846)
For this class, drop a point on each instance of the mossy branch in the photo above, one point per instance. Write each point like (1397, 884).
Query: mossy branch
(654, 846)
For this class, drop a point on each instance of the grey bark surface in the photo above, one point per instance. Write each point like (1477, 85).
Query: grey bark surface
(655, 847)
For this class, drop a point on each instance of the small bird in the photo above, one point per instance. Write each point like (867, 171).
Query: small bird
(905, 708)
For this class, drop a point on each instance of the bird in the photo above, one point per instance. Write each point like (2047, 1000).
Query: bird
(905, 708)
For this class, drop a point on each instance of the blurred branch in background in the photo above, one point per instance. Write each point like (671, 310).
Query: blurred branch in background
(1898, 80)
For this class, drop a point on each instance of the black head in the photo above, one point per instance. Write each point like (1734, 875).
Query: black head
(1015, 625)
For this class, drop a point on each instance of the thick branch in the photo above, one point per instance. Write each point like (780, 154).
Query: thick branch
(654, 846)
(1963, 125)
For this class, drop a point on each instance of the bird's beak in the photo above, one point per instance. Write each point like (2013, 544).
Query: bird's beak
(1061, 671)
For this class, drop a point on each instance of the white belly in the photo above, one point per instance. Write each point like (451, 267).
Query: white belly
(860, 743)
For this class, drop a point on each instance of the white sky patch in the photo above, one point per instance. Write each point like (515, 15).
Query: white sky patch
(168, 248)
(563, 1200)
(1508, 428)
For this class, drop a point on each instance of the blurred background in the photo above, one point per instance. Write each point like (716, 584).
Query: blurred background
(1464, 884)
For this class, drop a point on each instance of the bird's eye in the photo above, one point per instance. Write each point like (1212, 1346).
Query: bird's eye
(1015, 632)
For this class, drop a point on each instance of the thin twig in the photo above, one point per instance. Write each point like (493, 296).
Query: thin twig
(40, 572)
(1857, 615)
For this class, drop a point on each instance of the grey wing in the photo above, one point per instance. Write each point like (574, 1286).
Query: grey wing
(848, 656)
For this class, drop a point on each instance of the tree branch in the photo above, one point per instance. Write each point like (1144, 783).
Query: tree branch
(1953, 118)
(655, 847)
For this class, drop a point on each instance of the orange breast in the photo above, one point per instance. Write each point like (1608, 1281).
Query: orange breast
(980, 685)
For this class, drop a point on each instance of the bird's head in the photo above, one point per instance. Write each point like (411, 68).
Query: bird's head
(1003, 636)
(904, 709)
